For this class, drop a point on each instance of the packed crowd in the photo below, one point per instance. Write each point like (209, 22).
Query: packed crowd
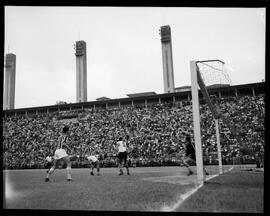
(155, 135)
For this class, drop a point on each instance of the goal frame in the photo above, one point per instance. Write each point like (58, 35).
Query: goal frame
(196, 80)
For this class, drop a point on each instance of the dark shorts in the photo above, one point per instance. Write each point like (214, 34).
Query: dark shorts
(94, 163)
(65, 159)
(49, 165)
(122, 156)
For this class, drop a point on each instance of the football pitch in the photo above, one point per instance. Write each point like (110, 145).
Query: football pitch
(146, 189)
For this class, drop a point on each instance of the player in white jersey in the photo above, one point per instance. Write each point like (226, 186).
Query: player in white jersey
(49, 163)
(93, 160)
(122, 155)
(61, 154)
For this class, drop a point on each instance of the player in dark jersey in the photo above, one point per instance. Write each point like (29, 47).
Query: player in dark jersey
(190, 156)
(60, 154)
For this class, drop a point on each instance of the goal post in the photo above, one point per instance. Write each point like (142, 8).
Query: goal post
(196, 122)
(218, 147)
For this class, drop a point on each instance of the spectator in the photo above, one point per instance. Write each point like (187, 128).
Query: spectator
(154, 134)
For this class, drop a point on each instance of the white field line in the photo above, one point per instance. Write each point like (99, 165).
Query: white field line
(184, 196)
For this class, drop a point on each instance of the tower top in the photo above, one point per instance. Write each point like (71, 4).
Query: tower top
(10, 55)
(165, 33)
(80, 48)
(80, 41)
(10, 59)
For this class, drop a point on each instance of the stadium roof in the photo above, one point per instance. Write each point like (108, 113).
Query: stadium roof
(217, 85)
(103, 99)
(259, 88)
(141, 94)
(183, 87)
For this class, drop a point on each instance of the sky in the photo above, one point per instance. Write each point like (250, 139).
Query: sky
(124, 53)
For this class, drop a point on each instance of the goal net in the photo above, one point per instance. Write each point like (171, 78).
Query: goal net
(209, 143)
(214, 73)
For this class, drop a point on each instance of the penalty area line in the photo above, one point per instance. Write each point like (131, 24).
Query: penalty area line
(184, 196)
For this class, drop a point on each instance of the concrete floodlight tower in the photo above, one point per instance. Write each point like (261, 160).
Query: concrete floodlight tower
(167, 59)
(9, 81)
(81, 71)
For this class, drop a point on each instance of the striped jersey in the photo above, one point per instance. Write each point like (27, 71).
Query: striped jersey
(63, 139)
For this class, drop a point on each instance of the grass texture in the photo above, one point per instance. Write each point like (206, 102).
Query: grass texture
(146, 189)
(232, 192)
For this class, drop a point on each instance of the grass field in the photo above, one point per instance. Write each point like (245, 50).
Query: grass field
(235, 191)
(146, 189)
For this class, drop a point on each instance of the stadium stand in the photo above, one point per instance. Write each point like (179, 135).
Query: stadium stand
(155, 134)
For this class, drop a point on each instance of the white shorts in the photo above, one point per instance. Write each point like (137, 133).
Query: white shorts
(60, 153)
(92, 158)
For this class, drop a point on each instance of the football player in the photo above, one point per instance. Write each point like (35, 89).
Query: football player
(190, 157)
(61, 154)
(49, 163)
(93, 159)
(94, 162)
(122, 155)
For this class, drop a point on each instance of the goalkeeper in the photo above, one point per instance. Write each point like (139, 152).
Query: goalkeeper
(190, 157)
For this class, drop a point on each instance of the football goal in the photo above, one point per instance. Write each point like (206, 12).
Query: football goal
(206, 75)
